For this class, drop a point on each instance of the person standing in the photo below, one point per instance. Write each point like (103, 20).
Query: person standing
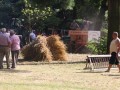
(15, 47)
(114, 50)
(5, 44)
(32, 36)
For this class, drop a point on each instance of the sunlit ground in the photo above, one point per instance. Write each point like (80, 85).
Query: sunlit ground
(58, 77)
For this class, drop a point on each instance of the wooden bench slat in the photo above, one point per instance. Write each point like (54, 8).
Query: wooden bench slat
(100, 55)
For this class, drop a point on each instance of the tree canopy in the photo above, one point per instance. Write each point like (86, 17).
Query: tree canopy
(35, 12)
(58, 14)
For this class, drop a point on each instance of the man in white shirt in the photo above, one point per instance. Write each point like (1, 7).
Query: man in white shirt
(114, 50)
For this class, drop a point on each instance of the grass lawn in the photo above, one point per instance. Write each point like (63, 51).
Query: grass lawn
(58, 77)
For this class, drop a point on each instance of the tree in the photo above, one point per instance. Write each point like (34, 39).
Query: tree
(113, 18)
(33, 14)
(9, 10)
(101, 16)
(92, 10)
(5, 17)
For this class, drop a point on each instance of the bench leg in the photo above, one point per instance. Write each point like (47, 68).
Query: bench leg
(86, 64)
(91, 65)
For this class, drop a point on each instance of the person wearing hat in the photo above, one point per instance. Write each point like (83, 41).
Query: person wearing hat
(15, 47)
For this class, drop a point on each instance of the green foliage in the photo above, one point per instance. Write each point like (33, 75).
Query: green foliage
(50, 13)
(79, 20)
(36, 13)
(87, 8)
(44, 3)
(33, 14)
(67, 4)
(52, 21)
(63, 4)
(5, 12)
(40, 16)
(100, 46)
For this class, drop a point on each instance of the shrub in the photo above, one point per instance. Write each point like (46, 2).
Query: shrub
(100, 46)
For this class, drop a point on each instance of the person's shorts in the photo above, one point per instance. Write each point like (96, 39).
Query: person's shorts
(114, 59)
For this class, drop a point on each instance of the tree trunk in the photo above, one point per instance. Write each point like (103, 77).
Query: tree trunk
(101, 15)
(113, 19)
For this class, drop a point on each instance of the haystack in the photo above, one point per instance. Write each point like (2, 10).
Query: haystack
(57, 47)
(28, 52)
(37, 50)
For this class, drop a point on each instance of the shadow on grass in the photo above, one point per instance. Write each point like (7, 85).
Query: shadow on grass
(88, 70)
(111, 74)
(91, 72)
(14, 71)
(114, 75)
(28, 62)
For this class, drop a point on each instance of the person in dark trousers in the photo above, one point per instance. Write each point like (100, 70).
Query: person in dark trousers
(15, 47)
(114, 50)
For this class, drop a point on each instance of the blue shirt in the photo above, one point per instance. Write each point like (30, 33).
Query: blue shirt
(32, 36)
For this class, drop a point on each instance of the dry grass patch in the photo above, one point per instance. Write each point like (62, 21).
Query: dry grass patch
(58, 77)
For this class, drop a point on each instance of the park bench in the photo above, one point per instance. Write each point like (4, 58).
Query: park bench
(97, 61)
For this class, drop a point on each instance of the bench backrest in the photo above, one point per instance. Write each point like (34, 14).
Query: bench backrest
(98, 61)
